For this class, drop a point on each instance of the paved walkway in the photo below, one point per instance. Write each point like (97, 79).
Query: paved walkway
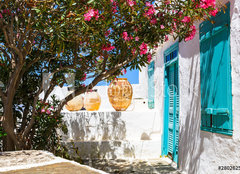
(58, 168)
(153, 166)
(42, 162)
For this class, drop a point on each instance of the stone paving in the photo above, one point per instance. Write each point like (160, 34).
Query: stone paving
(58, 168)
(154, 166)
(42, 162)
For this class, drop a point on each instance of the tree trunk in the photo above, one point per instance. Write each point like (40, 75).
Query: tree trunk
(8, 126)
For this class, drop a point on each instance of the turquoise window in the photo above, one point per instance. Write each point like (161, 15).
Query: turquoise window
(151, 85)
(215, 73)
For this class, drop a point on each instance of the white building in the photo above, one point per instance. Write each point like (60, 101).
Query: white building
(194, 87)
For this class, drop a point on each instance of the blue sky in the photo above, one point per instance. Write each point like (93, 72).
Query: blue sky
(132, 76)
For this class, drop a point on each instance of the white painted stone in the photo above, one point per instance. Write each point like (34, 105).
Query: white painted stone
(91, 128)
(199, 151)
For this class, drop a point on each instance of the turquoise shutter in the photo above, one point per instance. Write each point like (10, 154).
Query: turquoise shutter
(176, 112)
(216, 95)
(171, 104)
(151, 85)
(171, 109)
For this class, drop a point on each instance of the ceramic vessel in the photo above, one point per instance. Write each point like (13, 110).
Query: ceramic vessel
(120, 94)
(75, 104)
(92, 100)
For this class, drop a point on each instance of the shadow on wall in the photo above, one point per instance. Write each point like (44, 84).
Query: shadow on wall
(191, 138)
(100, 149)
(94, 126)
(95, 135)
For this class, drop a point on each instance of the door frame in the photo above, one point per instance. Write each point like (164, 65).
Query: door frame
(168, 63)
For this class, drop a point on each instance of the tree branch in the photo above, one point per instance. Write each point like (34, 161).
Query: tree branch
(32, 121)
(5, 53)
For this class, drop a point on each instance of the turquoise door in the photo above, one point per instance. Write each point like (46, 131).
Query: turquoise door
(171, 111)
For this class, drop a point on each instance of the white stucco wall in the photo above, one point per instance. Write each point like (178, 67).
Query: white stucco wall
(200, 151)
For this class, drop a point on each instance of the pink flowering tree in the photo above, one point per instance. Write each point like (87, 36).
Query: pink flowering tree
(97, 37)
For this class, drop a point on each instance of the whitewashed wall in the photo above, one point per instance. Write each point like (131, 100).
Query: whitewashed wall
(200, 151)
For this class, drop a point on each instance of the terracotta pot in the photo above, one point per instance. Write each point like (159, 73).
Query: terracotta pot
(120, 94)
(92, 100)
(75, 104)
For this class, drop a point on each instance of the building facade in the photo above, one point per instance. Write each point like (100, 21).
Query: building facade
(197, 91)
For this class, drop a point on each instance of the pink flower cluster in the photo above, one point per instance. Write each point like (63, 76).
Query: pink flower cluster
(84, 77)
(108, 47)
(208, 3)
(114, 8)
(5, 11)
(124, 71)
(186, 19)
(151, 10)
(91, 13)
(149, 57)
(131, 3)
(125, 36)
(214, 12)
(191, 34)
(47, 110)
(107, 33)
(143, 48)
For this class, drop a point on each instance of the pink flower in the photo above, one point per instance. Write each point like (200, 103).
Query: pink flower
(1, 16)
(6, 11)
(191, 34)
(91, 13)
(143, 48)
(137, 38)
(148, 4)
(133, 51)
(125, 36)
(162, 26)
(48, 112)
(214, 12)
(153, 21)
(52, 107)
(84, 77)
(124, 71)
(96, 14)
(186, 19)
(207, 3)
(107, 33)
(109, 47)
(114, 8)
(131, 3)
(43, 110)
(150, 10)
(149, 57)
(166, 38)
